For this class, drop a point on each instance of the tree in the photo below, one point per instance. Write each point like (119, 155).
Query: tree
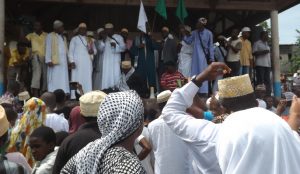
(265, 26)
(295, 60)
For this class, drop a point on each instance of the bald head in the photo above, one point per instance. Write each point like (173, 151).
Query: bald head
(49, 99)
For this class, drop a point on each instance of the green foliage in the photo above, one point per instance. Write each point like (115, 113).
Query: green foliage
(265, 26)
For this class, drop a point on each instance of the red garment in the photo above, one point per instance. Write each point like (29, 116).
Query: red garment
(75, 120)
(169, 80)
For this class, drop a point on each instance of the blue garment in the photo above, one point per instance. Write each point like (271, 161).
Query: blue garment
(244, 70)
(199, 62)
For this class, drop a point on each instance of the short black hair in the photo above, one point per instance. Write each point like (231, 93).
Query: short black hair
(46, 133)
(170, 63)
(239, 103)
(60, 95)
(10, 113)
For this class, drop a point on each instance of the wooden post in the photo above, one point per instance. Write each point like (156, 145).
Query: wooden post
(2, 35)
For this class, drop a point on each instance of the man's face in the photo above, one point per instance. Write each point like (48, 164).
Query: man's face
(265, 36)
(39, 148)
(164, 33)
(37, 27)
(60, 30)
(82, 31)
(171, 69)
(124, 34)
(22, 50)
(199, 26)
(109, 31)
(246, 34)
(234, 33)
(269, 101)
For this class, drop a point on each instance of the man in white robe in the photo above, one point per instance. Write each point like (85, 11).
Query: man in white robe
(185, 54)
(170, 153)
(112, 48)
(81, 52)
(98, 61)
(213, 145)
(56, 59)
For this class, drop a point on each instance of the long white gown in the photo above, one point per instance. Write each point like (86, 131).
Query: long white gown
(111, 72)
(78, 53)
(58, 77)
(185, 59)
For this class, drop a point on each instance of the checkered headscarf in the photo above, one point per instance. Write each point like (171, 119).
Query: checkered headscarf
(120, 115)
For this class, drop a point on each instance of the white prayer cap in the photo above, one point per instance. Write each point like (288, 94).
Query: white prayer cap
(188, 28)
(202, 20)
(82, 25)
(57, 24)
(163, 96)
(100, 30)
(23, 96)
(221, 37)
(126, 64)
(90, 102)
(4, 124)
(90, 33)
(246, 29)
(108, 26)
(125, 30)
(165, 29)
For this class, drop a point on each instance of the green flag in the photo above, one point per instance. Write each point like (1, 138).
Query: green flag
(161, 9)
(181, 12)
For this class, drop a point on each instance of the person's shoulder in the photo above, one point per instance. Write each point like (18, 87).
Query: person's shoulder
(155, 123)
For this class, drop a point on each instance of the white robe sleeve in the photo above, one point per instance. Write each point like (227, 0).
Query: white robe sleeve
(48, 49)
(120, 47)
(94, 48)
(72, 50)
(188, 128)
(101, 46)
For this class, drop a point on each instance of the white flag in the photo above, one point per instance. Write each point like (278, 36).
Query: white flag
(142, 19)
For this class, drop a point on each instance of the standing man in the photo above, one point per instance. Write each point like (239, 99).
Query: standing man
(98, 61)
(261, 51)
(128, 43)
(185, 54)
(246, 52)
(220, 56)
(203, 53)
(143, 49)
(234, 49)
(81, 54)
(39, 67)
(112, 47)
(56, 59)
(169, 49)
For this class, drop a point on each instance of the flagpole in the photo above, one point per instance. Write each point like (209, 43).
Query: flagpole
(154, 20)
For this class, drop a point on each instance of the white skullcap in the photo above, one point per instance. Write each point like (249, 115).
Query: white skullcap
(125, 30)
(188, 28)
(163, 96)
(90, 102)
(90, 33)
(109, 26)
(246, 29)
(57, 24)
(165, 29)
(126, 64)
(23, 96)
(221, 37)
(100, 30)
(202, 20)
(82, 25)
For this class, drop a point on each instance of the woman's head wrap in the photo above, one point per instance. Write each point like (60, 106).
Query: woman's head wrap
(120, 115)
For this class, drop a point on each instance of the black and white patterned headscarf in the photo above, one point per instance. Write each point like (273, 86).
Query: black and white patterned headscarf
(120, 115)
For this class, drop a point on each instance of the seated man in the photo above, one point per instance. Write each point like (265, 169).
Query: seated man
(172, 78)
(42, 143)
(55, 121)
(131, 80)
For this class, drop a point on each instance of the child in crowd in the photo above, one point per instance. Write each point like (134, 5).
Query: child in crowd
(42, 143)
(172, 78)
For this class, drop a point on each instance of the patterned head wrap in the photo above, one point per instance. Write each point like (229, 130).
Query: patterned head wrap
(33, 117)
(120, 115)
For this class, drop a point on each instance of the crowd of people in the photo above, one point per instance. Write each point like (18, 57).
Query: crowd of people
(91, 105)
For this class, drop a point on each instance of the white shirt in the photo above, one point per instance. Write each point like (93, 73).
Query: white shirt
(265, 59)
(57, 122)
(146, 163)
(296, 79)
(171, 154)
(200, 135)
(46, 165)
(232, 56)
